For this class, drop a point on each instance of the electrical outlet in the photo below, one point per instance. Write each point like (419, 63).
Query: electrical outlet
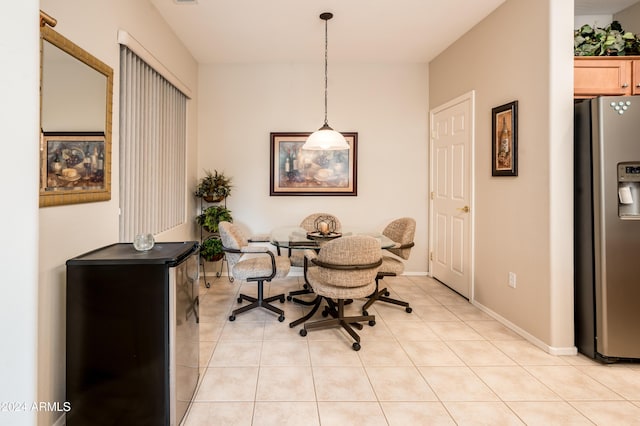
(512, 279)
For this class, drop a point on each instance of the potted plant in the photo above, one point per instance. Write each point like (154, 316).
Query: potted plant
(212, 216)
(611, 40)
(211, 249)
(213, 187)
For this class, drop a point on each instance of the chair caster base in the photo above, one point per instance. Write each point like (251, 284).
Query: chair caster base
(409, 310)
(232, 318)
(281, 318)
(356, 346)
(372, 323)
(303, 332)
(289, 298)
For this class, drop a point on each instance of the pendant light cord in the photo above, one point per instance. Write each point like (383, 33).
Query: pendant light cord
(325, 138)
(326, 61)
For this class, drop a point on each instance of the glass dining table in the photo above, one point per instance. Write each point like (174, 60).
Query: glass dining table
(295, 237)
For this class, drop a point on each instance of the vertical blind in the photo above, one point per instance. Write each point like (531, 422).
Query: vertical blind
(152, 150)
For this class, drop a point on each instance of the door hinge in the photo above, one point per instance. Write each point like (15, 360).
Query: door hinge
(431, 256)
(433, 195)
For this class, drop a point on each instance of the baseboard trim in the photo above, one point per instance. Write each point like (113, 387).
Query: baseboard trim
(552, 350)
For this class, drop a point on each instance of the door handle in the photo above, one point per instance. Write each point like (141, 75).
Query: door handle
(464, 209)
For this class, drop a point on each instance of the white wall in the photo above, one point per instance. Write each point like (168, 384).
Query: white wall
(67, 231)
(19, 112)
(386, 104)
(523, 224)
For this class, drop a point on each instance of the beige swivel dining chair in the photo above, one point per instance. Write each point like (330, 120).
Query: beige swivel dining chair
(401, 231)
(344, 268)
(296, 257)
(262, 266)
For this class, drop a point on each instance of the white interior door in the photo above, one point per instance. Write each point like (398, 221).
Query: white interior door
(451, 260)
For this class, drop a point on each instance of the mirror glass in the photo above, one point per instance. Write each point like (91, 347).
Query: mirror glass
(76, 105)
(73, 94)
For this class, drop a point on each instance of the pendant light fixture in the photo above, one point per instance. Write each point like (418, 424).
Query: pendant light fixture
(325, 138)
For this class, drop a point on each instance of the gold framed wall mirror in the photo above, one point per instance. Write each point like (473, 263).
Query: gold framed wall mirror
(76, 97)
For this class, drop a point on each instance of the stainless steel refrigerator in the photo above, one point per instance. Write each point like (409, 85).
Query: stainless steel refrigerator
(132, 334)
(607, 227)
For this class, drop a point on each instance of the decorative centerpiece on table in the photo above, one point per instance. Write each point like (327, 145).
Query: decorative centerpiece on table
(611, 40)
(213, 187)
(325, 228)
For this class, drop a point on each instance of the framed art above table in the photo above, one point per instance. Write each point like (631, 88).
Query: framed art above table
(295, 171)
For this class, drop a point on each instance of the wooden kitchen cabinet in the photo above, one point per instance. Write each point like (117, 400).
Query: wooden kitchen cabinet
(605, 75)
(635, 80)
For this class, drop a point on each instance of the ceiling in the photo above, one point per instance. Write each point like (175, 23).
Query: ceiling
(282, 31)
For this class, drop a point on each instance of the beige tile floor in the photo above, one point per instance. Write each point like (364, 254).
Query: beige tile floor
(446, 363)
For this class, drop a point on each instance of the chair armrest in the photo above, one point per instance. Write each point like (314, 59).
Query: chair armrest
(310, 254)
(257, 250)
(347, 267)
(401, 246)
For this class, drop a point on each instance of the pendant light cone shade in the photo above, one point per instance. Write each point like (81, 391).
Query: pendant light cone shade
(325, 138)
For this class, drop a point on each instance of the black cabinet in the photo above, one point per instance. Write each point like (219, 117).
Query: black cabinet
(132, 334)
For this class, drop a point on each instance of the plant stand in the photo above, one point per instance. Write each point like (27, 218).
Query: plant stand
(218, 274)
(203, 238)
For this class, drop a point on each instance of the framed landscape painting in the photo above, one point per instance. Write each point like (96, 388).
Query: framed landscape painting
(295, 171)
